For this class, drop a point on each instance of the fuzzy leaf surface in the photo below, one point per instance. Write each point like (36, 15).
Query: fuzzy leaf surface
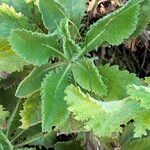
(31, 113)
(140, 93)
(103, 118)
(10, 19)
(32, 83)
(114, 28)
(87, 76)
(69, 45)
(9, 61)
(117, 81)
(75, 10)
(54, 108)
(52, 13)
(35, 48)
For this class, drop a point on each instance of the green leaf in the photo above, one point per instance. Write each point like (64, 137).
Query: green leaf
(140, 93)
(3, 115)
(4, 142)
(9, 61)
(74, 145)
(10, 19)
(32, 83)
(142, 123)
(147, 80)
(31, 113)
(69, 45)
(35, 48)
(114, 28)
(117, 81)
(14, 120)
(75, 10)
(143, 18)
(54, 108)
(103, 118)
(52, 13)
(138, 144)
(87, 76)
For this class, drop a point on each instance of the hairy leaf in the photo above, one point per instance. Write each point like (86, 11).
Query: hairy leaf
(75, 10)
(117, 81)
(140, 93)
(9, 61)
(4, 142)
(54, 108)
(31, 113)
(35, 48)
(113, 28)
(104, 118)
(3, 115)
(87, 76)
(32, 83)
(9, 20)
(52, 13)
(69, 45)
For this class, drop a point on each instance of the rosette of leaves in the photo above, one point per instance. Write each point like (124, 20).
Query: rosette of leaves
(59, 58)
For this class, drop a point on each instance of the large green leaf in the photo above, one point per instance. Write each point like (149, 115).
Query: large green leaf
(31, 113)
(113, 28)
(104, 118)
(140, 93)
(4, 142)
(10, 19)
(117, 81)
(54, 108)
(3, 115)
(52, 13)
(35, 48)
(87, 76)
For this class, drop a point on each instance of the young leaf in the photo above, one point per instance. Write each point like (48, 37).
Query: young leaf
(117, 81)
(103, 118)
(3, 115)
(143, 18)
(35, 48)
(140, 93)
(4, 142)
(32, 83)
(114, 28)
(54, 108)
(52, 13)
(31, 113)
(9, 20)
(69, 45)
(87, 76)
(75, 10)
